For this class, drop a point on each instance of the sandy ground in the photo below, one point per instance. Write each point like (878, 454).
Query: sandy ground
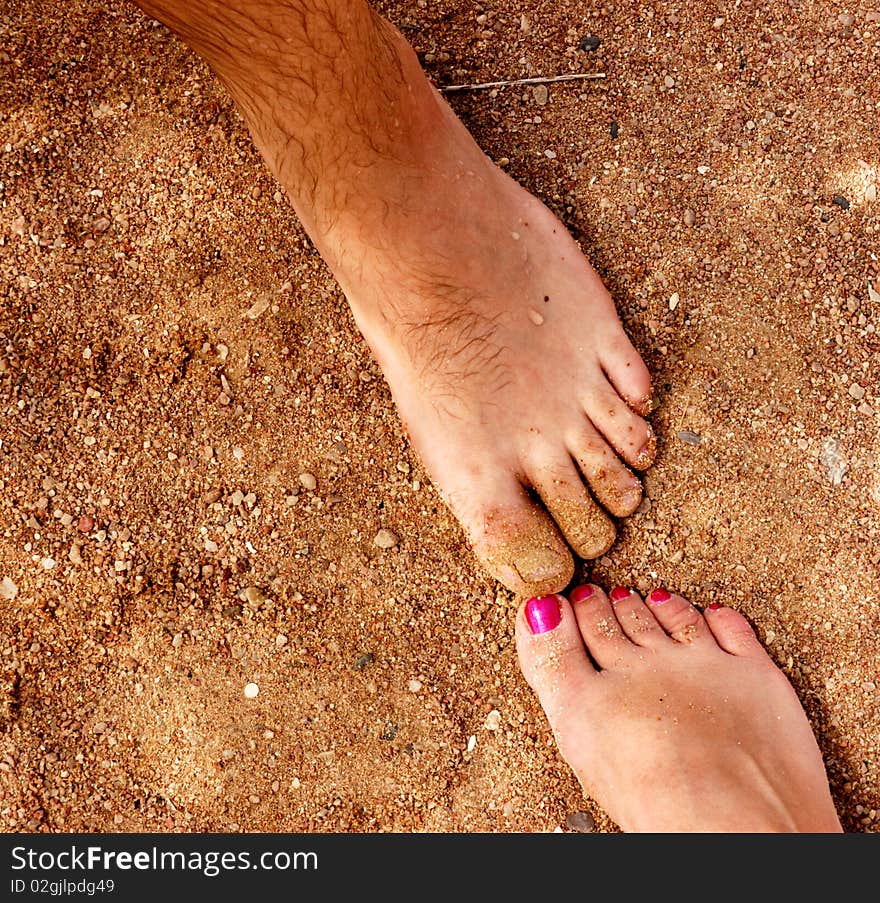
(159, 548)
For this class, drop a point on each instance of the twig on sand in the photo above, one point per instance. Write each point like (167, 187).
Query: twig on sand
(540, 80)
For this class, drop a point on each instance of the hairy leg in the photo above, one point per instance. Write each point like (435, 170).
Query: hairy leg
(502, 348)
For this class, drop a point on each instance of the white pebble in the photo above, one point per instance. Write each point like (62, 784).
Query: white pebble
(258, 307)
(385, 539)
(414, 685)
(8, 589)
(48, 563)
(673, 301)
(308, 481)
(472, 742)
(251, 691)
(493, 720)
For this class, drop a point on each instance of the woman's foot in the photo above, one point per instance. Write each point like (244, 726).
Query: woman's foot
(672, 720)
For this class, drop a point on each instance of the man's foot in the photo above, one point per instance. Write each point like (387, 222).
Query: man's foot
(501, 345)
(671, 720)
(503, 350)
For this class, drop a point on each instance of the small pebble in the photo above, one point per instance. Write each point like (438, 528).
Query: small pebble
(48, 563)
(8, 589)
(85, 524)
(690, 438)
(841, 202)
(614, 130)
(385, 539)
(308, 481)
(414, 686)
(669, 81)
(834, 462)
(364, 660)
(541, 93)
(493, 720)
(536, 317)
(211, 496)
(856, 391)
(251, 691)
(258, 307)
(280, 640)
(582, 822)
(690, 218)
(673, 301)
(589, 43)
(254, 596)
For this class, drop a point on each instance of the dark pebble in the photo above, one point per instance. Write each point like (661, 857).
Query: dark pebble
(615, 130)
(390, 732)
(590, 42)
(690, 438)
(366, 659)
(582, 822)
(841, 201)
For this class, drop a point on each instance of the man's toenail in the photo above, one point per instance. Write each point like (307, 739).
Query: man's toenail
(579, 593)
(543, 613)
(715, 606)
(659, 596)
(618, 593)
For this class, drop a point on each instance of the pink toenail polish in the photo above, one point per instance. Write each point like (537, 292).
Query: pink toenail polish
(543, 613)
(659, 596)
(579, 593)
(715, 606)
(618, 593)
